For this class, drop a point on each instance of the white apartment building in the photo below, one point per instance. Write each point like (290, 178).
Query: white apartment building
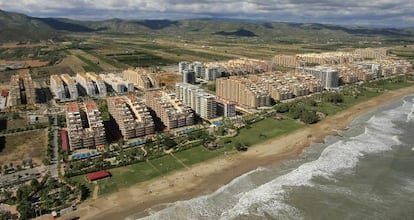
(329, 76)
(212, 73)
(201, 102)
(117, 84)
(93, 84)
(57, 87)
(63, 87)
(70, 87)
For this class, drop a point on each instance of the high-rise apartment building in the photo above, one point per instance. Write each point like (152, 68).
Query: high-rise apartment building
(57, 87)
(259, 90)
(212, 73)
(117, 84)
(189, 76)
(22, 90)
(201, 102)
(84, 126)
(92, 84)
(242, 91)
(225, 108)
(372, 53)
(328, 76)
(169, 109)
(71, 89)
(63, 87)
(141, 78)
(183, 65)
(131, 115)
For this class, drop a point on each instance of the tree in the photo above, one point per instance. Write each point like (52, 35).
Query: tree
(24, 209)
(296, 111)
(334, 98)
(282, 108)
(35, 185)
(211, 87)
(309, 117)
(240, 147)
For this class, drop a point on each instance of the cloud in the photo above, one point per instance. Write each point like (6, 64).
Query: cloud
(367, 12)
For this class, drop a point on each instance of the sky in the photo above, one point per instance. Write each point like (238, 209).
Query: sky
(382, 13)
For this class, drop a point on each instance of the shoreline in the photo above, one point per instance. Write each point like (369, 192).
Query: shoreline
(206, 177)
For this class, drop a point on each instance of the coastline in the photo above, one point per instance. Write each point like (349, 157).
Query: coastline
(206, 177)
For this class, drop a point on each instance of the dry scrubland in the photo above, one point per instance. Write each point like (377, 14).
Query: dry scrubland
(17, 147)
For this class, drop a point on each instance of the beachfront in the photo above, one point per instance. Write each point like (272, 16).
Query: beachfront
(206, 177)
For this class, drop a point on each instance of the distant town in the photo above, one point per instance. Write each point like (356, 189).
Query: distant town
(95, 121)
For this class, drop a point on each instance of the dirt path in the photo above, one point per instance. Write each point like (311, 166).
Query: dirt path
(95, 192)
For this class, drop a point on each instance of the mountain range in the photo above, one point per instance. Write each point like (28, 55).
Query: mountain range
(20, 27)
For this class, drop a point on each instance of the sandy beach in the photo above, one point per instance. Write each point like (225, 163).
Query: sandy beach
(206, 177)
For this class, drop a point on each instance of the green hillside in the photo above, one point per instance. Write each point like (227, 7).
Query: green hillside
(17, 27)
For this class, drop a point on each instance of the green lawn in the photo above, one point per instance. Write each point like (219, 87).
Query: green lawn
(126, 176)
(329, 108)
(265, 130)
(199, 154)
(390, 85)
(139, 172)
(166, 164)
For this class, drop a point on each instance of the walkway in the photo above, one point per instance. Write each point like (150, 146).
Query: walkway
(179, 161)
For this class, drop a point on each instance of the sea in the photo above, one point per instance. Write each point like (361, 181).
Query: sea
(364, 172)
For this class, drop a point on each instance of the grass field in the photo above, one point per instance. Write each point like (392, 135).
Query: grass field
(200, 153)
(264, 130)
(139, 172)
(32, 144)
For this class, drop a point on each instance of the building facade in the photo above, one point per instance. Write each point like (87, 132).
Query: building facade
(169, 109)
(84, 126)
(117, 84)
(92, 84)
(201, 102)
(131, 115)
(22, 90)
(141, 78)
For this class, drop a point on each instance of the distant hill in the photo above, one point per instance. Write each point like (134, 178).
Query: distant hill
(239, 33)
(19, 27)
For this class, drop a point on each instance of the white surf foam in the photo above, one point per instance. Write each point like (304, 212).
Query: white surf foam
(380, 134)
(229, 202)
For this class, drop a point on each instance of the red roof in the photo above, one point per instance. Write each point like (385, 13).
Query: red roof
(4, 92)
(64, 137)
(98, 175)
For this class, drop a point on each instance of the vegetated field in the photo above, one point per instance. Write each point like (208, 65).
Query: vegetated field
(200, 153)
(139, 172)
(406, 52)
(92, 62)
(29, 63)
(169, 79)
(264, 130)
(143, 171)
(16, 123)
(15, 148)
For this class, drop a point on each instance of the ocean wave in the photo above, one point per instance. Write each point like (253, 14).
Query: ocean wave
(268, 198)
(243, 199)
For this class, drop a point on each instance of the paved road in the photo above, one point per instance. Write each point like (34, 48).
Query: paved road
(53, 167)
(21, 175)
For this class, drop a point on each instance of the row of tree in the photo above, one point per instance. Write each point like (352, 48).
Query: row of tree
(298, 111)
